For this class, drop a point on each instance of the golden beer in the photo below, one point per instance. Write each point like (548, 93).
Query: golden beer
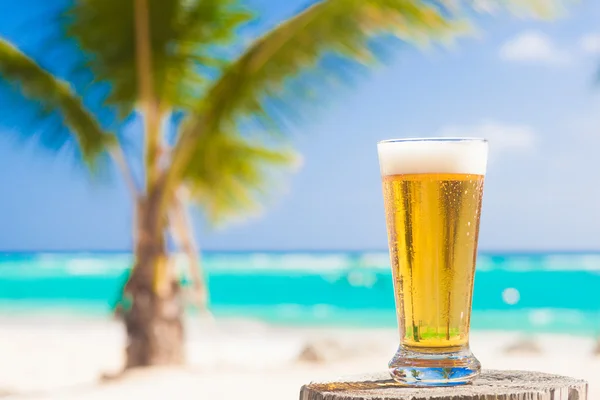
(433, 191)
(433, 222)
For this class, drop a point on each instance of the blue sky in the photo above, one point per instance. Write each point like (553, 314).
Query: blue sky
(528, 86)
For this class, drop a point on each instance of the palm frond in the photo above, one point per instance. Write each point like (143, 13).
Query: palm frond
(53, 100)
(342, 27)
(184, 37)
(230, 176)
(258, 84)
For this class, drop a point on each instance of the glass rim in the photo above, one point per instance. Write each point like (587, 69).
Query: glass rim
(434, 139)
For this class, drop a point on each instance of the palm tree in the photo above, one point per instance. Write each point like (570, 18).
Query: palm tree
(182, 60)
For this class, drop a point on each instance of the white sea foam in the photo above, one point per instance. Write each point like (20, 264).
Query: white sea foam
(431, 156)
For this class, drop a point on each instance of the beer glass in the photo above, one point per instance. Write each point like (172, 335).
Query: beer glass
(432, 193)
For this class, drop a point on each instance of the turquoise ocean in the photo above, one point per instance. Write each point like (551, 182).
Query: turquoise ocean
(526, 292)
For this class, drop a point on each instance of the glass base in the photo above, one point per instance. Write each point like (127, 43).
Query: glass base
(434, 367)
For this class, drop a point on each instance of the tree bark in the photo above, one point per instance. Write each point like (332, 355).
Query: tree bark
(153, 309)
(491, 385)
(153, 313)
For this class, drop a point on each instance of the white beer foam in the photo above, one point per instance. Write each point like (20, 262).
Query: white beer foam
(451, 156)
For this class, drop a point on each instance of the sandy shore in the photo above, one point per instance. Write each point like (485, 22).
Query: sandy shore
(63, 358)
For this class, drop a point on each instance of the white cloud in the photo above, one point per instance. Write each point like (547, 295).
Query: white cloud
(590, 43)
(533, 47)
(503, 138)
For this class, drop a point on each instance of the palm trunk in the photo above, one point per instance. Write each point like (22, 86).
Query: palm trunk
(154, 319)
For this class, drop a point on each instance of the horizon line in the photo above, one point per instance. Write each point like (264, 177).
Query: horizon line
(298, 250)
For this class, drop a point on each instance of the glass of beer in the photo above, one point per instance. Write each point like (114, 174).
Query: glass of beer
(432, 193)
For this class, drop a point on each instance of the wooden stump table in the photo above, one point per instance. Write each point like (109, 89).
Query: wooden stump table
(491, 385)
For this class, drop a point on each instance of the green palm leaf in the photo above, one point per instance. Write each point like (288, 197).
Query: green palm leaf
(53, 97)
(185, 38)
(230, 176)
(342, 27)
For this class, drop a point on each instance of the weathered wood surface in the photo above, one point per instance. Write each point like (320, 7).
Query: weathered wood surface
(491, 385)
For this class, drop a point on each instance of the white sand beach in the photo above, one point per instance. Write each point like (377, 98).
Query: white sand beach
(66, 358)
